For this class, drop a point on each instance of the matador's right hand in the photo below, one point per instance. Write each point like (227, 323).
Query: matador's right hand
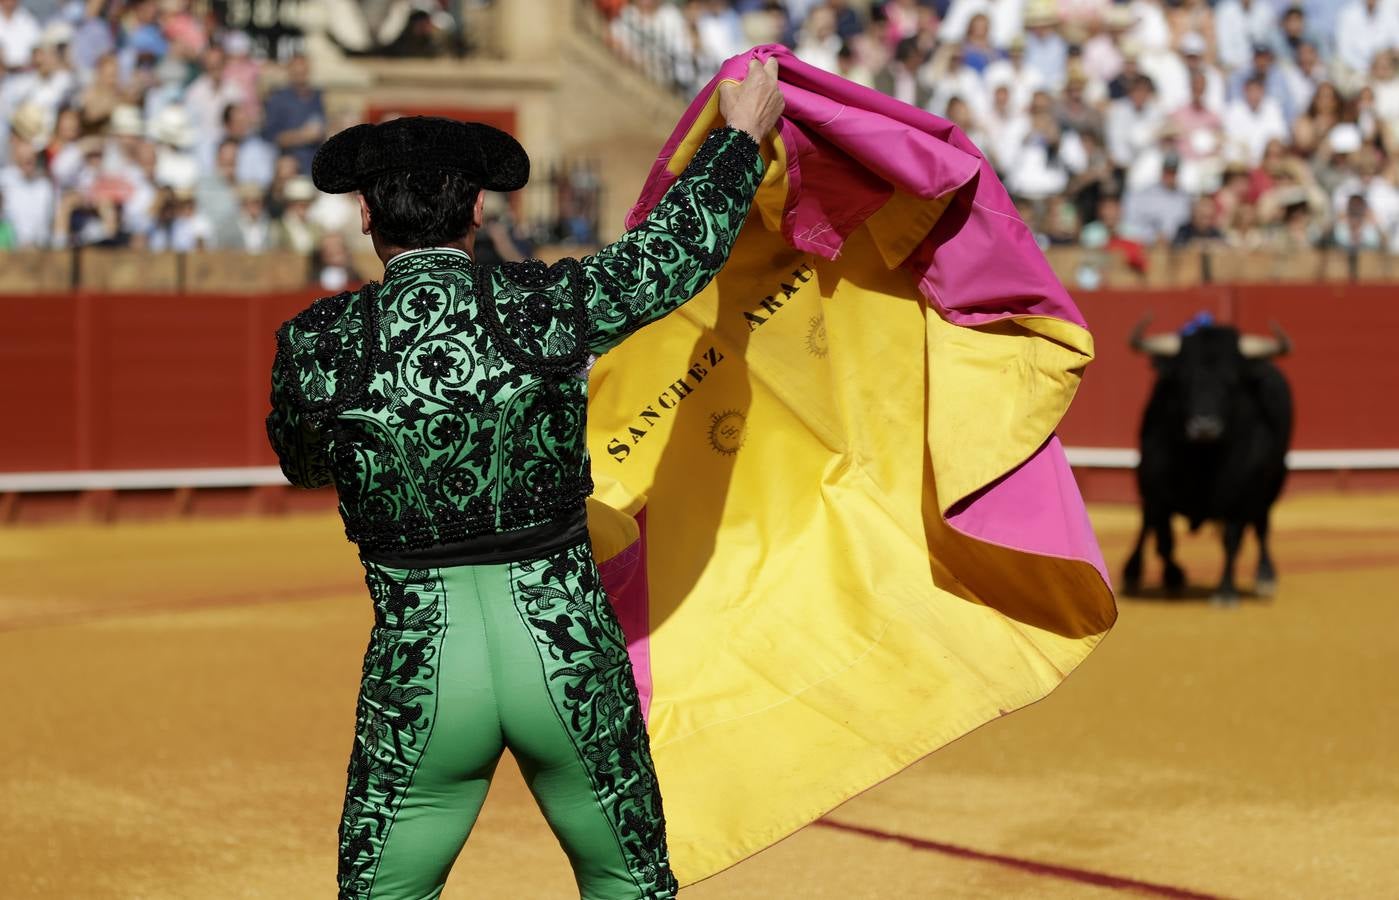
(755, 104)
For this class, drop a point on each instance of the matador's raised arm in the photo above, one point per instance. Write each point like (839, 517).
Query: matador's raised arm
(680, 247)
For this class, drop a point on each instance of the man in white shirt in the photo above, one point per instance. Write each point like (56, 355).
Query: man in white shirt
(1007, 18)
(29, 197)
(1304, 71)
(186, 230)
(254, 227)
(1151, 33)
(1046, 51)
(206, 99)
(176, 165)
(1154, 213)
(257, 158)
(1252, 121)
(294, 229)
(656, 37)
(216, 198)
(1171, 73)
(1102, 53)
(1364, 28)
(1040, 167)
(1199, 140)
(1368, 181)
(1133, 123)
(19, 35)
(949, 76)
(138, 213)
(1384, 78)
(1023, 80)
(849, 67)
(819, 44)
(719, 34)
(47, 86)
(1275, 82)
(1005, 127)
(128, 131)
(1238, 26)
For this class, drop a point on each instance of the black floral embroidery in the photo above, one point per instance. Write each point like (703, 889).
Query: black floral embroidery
(450, 402)
(538, 314)
(424, 302)
(447, 429)
(584, 655)
(680, 246)
(436, 365)
(393, 719)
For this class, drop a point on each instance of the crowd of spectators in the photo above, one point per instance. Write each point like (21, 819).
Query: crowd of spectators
(1254, 124)
(147, 125)
(143, 125)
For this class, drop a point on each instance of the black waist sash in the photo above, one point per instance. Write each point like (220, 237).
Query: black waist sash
(534, 542)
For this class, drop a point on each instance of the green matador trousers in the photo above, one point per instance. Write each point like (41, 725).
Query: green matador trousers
(465, 661)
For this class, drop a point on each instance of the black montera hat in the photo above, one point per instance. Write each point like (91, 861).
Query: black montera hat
(352, 159)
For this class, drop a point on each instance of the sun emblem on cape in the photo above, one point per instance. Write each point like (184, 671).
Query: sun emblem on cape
(816, 337)
(726, 431)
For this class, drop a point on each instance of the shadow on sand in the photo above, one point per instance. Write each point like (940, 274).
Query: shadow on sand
(1191, 593)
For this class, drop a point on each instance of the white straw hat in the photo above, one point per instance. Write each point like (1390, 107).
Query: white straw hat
(172, 126)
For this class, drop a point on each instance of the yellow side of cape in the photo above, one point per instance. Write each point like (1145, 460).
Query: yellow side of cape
(797, 432)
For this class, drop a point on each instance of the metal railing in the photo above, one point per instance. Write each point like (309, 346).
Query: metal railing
(563, 202)
(275, 26)
(648, 51)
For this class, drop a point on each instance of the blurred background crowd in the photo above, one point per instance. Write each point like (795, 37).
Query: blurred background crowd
(1252, 124)
(163, 125)
(1257, 124)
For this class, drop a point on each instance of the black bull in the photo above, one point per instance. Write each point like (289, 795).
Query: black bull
(1214, 441)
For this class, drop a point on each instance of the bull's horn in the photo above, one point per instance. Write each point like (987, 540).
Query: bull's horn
(1161, 344)
(1256, 346)
(1157, 344)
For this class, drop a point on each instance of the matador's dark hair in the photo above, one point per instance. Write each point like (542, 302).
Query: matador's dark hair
(412, 208)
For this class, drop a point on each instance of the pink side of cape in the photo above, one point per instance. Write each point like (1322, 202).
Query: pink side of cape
(624, 580)
(1035, 507)
(848, 147)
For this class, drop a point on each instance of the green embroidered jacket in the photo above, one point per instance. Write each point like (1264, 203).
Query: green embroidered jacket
(449, 402)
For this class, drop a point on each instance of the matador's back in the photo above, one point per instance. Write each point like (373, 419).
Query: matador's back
(447, 405)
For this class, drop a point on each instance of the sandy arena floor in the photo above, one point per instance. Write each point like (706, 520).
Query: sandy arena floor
(178, 704)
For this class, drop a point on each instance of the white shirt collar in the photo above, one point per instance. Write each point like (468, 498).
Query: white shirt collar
(407, 253)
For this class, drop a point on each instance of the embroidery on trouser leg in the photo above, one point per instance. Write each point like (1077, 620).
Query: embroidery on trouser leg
(590, 681)
(393, 719)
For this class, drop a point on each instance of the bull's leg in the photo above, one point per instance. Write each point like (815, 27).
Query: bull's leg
(1174, 575)
(1227, 593)
(1132, 572)
(1267, 582)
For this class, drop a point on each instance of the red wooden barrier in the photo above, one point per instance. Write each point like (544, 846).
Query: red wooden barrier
(40, 370)
(1344, 368)
(153, 382)
(137, 382)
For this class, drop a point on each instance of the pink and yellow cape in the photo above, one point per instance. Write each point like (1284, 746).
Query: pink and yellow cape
(832, 513)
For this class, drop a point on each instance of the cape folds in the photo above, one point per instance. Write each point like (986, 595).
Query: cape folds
(838, 528)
